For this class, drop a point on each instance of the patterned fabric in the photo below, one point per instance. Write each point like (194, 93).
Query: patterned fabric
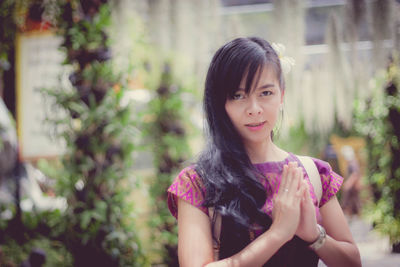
(330, 180)
(188, 186)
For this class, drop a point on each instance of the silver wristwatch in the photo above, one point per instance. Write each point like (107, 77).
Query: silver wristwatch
(320, 240)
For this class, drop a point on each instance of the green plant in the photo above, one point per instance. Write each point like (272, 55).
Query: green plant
(7, 32)
(299, 141)
(98, 226)
(377, 119)
(170, 148)
(14, 253)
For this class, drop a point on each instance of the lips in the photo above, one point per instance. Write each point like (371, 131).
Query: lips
(255, 126)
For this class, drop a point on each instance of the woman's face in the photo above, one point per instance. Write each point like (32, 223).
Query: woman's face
(254, 114)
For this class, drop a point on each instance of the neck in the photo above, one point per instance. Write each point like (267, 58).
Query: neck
(264, 152)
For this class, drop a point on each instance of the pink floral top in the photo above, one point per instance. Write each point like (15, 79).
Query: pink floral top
(188, 186)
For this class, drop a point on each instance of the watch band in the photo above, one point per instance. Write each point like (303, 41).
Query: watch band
(320, 240)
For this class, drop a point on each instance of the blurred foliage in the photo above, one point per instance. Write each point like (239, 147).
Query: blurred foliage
(7, 32)
(39, 231)
(378, 120)
(5, 211)
(98, 127)
(18, 236)
(13, 254)
(168, 139)
(50, 168)
(298, 141)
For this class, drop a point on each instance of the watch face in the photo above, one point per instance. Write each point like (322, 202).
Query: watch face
(321, 239)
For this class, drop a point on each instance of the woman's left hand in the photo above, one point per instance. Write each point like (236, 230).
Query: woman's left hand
(307, 229)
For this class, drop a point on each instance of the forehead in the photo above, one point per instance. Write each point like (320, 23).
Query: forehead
(266, 74)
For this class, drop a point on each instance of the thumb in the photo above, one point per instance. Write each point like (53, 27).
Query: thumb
(303, 191)
(306, 196)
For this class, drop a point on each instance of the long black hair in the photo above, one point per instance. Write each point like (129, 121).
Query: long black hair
(232, 184)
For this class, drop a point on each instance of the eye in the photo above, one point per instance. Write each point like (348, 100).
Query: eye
(266, 93)
(238, 96)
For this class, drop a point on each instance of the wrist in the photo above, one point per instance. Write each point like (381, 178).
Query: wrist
(320, 240)
(279, 235)
(314, 236)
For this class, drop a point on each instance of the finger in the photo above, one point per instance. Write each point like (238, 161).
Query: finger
(294, 180)
(283, 179)
(298, 186)
(290, 174)
(301, 193)
(308, 194)
(307, 197)
(302, 174)
(304, 189)
(291, 167)
(299, 177)
(287, 179)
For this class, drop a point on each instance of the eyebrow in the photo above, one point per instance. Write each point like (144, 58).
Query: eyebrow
(266, 86)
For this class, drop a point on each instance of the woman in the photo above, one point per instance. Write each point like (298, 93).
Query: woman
(246, 202)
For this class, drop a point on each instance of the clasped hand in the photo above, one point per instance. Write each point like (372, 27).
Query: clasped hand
(294, 211)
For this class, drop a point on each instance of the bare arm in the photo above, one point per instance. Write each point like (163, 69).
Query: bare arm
(339, 248)
(194, 230)
(195, 242)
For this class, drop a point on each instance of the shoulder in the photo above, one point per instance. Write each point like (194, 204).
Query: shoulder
(188, 177)
(330, 180)
(326, 172)
(187, 186)
(323, 167)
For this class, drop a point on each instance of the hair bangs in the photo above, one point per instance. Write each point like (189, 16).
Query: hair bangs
(249, 68)
(254, 73)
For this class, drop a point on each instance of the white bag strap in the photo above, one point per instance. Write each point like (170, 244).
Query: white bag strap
(313, 175)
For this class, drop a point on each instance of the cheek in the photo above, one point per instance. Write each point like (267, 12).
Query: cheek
(273, 111)
(230, 110)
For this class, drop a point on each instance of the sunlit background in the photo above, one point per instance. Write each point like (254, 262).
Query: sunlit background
(101, 107)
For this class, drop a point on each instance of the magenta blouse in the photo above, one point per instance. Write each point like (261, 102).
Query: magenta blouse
(188, 185)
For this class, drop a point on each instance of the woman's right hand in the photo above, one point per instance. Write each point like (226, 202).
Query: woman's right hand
(286, 210)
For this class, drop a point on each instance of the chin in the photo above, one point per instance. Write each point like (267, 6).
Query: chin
(255, 141)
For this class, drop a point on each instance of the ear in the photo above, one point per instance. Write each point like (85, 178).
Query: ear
(282, 96)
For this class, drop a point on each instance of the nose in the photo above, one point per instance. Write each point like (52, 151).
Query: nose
(254, 108)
